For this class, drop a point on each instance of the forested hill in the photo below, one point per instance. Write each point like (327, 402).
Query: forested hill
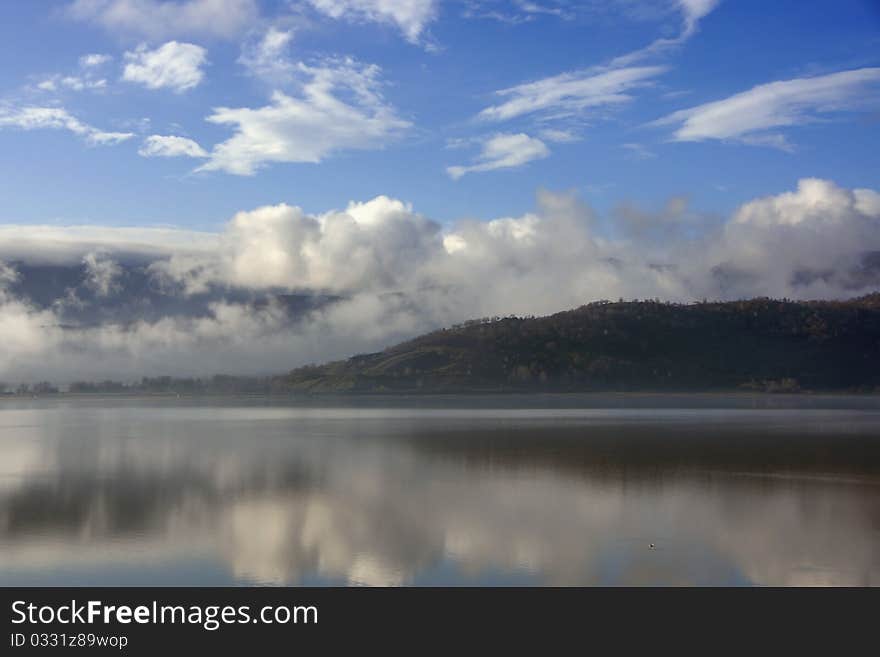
(759, 344)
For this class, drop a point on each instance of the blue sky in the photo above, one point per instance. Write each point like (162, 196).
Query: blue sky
(413, 91)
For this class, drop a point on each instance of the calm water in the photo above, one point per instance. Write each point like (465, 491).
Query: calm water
(506, 490)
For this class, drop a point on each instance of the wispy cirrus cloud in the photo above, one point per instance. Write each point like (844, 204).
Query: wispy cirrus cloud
(570, 93)
(57, 118)
(574, 91)
(520, 11)
(503, 151)
(752, 116)
(692, 12)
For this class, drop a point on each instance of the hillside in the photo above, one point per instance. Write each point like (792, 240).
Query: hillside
(759, 344)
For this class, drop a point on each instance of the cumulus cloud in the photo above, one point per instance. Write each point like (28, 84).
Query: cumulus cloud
(57, 118)
(381, 242)
(751, 115)
(177, 66)
(392, 273)
(820, 240)
(339, 106)
(162, 19)
(570, 93)
(409, 16)
(503, 151)
(170, 146)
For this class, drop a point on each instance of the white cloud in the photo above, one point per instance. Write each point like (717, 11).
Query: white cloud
(380, 241)
(504, 151)
(559, 136)
(8, 275)
(267, 58)
(86, 77)
(410, 16)
(515, 12)
(70, 244)
(339, 107)
(749, 115)
(57, 118)
(161, 19)
(78, 84)
(72, 83)
(177, 66)
(94, 60)
(550, 8)
(570, 93)
(692, 12)
(695, 10)
(102, 274)
(689, 12)
(815, 202)
(809, 243)
(170, 146)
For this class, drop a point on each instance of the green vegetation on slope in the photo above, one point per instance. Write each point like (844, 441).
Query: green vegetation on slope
(759, 344)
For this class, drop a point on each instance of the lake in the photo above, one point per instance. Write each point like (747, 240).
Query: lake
(446, 490)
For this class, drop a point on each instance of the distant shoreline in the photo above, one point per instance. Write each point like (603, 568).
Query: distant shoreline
(550, 401)
(305, 394)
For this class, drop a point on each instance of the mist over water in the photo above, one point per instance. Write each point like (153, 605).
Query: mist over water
(447, 490)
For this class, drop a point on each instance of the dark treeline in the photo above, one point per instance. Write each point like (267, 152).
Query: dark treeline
(758, 344)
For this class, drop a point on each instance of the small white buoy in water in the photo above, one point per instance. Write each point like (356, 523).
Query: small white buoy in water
(651, 546)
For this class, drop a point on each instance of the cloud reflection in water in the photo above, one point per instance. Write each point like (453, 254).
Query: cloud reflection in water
(288, 495)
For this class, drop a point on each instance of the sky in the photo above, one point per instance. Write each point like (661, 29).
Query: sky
(419, 161)
(462, 108)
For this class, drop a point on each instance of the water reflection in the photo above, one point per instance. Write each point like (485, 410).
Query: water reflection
(179, 493)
